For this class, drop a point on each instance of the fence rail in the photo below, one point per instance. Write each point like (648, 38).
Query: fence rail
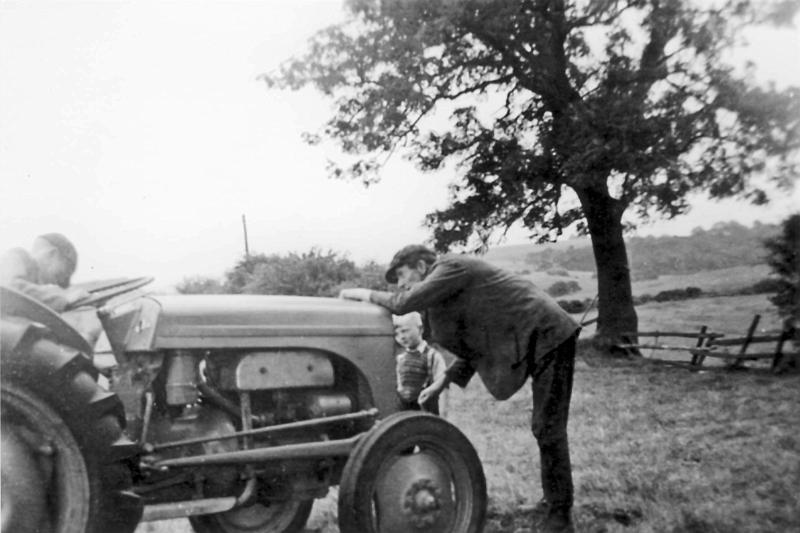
(716, 345)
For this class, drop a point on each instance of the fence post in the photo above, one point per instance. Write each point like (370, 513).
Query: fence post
(786, 334)
(697, 358)
(738, 363)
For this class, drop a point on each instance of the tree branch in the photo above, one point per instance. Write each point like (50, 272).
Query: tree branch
(589, 20)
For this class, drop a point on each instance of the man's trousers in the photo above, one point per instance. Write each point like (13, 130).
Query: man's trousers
(552, 392)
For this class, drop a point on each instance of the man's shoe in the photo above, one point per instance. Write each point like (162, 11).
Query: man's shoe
(557, 521)
(541, 509)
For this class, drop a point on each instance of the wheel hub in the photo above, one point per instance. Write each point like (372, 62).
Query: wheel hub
(423, 503)
(414, 494)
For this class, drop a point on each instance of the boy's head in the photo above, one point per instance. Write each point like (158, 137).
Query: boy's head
(408, 329)
(55, 257)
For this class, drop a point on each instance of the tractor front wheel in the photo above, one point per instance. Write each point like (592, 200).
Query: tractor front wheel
(413, 472)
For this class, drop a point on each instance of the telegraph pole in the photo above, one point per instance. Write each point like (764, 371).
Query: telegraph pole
(246, 246)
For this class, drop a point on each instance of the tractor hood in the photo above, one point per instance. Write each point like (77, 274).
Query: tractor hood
(208, 321)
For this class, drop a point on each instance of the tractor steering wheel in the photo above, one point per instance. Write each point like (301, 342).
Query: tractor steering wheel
(101, 292)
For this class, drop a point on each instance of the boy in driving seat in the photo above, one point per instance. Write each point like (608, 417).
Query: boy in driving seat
(43, 273)
(418, 365)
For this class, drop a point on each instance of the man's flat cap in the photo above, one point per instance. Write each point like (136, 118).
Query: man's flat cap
(408, 255)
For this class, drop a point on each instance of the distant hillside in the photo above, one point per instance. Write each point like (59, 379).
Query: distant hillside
(517, 253)
(725, 245)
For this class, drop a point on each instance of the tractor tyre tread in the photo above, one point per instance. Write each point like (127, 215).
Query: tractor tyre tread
(95, 418)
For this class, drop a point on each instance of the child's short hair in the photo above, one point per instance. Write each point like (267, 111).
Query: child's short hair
(65, 248)
(410, 319)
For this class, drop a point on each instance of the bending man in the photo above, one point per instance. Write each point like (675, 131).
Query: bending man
(506, 329)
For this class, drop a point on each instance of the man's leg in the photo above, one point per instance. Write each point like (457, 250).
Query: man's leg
(552, 391)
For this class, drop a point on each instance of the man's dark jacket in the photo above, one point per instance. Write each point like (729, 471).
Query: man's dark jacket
(486, 316)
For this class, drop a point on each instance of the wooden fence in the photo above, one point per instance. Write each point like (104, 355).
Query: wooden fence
(734, 350)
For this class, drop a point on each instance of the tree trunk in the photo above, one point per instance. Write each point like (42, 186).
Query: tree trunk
(617, 315)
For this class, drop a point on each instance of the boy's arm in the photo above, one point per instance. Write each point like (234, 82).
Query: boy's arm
(398, 361)
(19, 271)
(436, 364)
(51, 295)
(434, 389)
(459, 372)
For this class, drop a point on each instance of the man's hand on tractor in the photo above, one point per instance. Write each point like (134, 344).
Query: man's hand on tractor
(361, 295)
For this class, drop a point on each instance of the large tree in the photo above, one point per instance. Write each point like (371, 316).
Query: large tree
(561, 113)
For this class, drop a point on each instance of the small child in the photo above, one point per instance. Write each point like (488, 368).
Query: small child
(418, 365)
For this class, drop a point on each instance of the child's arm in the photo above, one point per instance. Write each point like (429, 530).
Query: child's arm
(434, 389)
(438, 376)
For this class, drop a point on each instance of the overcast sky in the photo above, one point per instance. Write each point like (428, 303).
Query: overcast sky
(139, 130)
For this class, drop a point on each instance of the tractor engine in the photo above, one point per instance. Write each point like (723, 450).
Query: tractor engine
(179, 402)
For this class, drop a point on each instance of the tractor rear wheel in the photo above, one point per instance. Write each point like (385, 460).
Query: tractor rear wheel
(65, 466)
(46, 484)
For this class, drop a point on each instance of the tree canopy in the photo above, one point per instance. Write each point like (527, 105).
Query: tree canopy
(634, 98)
(628, 104)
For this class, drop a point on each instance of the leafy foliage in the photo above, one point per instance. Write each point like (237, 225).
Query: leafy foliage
(784, 259)
(561, 112)
(312, 273)
(561, 288)
(307, 274)
(630, 99)
(200, 285)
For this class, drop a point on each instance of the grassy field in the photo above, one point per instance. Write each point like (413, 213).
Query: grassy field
(655, 448)
(720, 281)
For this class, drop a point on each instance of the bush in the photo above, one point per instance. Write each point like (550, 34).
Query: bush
(200, 285)
(574, 306)
(784, 259)
(312, 273)
(766, 285)
(693, 292)
(560, 288)
(674, 295)
(564, 273)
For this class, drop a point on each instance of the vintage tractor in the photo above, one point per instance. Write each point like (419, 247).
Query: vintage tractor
(235, 411)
